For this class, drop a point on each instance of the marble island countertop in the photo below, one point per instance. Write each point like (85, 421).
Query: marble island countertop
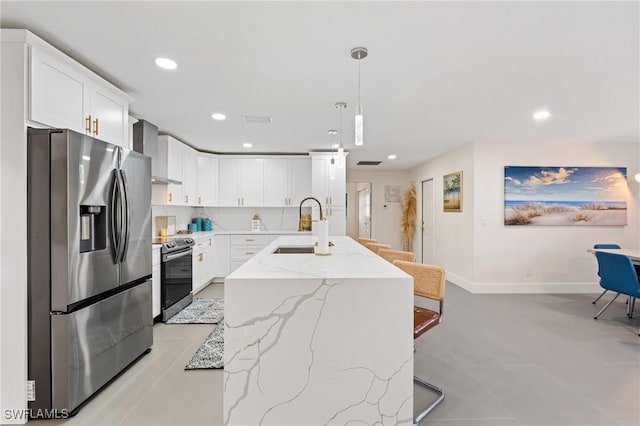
(318, 339)
(348, 259)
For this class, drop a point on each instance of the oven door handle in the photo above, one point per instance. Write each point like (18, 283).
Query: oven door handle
(168, 257)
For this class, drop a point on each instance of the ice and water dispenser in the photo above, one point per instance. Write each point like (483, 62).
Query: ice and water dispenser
(93, 228)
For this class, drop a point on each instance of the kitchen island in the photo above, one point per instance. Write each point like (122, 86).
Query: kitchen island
(313, 340)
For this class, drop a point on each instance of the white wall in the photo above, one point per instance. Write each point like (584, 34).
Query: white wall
(13, 228)
(385, 221)
(482, 255)
(544, 258)
(453, 231)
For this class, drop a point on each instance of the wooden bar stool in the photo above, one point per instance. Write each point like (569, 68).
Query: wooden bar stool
(428, 281)
(391, 255)
(364, 241)
(374, 247)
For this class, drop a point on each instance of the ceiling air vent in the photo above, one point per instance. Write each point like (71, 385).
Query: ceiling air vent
(256, 119)
(368, 163)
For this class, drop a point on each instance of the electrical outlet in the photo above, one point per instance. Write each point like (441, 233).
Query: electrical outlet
(31, 390)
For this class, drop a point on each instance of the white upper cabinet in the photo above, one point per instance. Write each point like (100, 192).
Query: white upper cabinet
(299, 180)
(207, 180)
(64, 94)
(57, 94)
(182, 163)
(240, 182)
(287, 181)
(276, 182)
(329, 188)
(189, 176)
(109, 116)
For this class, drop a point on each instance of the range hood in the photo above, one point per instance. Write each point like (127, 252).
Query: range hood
(145, 141)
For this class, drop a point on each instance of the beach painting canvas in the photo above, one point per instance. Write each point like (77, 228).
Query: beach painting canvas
(565, 196)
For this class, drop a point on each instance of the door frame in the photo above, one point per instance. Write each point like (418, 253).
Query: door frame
(422, 184)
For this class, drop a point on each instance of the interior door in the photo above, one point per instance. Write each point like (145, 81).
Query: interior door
(427, 222)
(136, 171)
(364, 213)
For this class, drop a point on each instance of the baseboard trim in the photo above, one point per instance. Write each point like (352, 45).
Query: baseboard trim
(522, 288)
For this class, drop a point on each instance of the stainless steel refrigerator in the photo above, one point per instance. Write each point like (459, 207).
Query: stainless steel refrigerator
(89, 291)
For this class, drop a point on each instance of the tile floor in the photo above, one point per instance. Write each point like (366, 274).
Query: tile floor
(502, 360)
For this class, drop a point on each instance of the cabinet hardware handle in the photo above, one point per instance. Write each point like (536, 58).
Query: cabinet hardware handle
(330, 200)
(209, 241)
(95, 131)
(186, 199)
(243, 201)
(238, 201)
(199, 200)
(201, 257)
(170, 197)
(88, 123)
(249, 252)
(326, 200)
(248, 239)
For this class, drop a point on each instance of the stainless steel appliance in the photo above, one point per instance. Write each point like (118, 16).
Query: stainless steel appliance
(176, 274)
(89, 290)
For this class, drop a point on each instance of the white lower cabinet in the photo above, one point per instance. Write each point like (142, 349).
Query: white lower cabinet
(155, 281)
(244, 247)
(221, 255)
(203, 263)
(232, 251)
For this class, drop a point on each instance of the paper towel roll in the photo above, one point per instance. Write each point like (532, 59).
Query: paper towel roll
(323, 237)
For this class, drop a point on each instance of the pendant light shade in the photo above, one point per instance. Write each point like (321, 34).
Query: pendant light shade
(359, 53)
(332, 163)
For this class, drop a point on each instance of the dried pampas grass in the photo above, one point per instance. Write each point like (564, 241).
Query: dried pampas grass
(408, 219)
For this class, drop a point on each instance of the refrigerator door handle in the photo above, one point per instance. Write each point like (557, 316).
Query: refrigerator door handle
(121, 215)
(127, 215)
(113, 201)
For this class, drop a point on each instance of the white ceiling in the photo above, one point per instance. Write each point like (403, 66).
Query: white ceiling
(438, 75)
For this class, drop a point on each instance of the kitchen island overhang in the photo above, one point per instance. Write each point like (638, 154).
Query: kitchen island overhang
(318, 339)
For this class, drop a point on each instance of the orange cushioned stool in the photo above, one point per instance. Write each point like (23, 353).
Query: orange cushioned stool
(428, 282)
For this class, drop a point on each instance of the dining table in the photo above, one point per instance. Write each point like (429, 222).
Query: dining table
(631, 253)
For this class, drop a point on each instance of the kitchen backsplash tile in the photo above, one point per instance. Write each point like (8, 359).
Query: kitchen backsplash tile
(233, 218)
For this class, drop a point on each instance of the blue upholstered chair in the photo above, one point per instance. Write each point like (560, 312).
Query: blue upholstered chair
(603, 246)
(618, 274)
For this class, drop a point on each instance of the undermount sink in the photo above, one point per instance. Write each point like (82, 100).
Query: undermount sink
(294, 250)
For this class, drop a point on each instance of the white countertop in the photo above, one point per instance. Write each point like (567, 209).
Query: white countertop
(348, 259)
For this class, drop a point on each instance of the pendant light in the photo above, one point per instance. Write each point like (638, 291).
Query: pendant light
(359, 53)
(332, 163)
(340, 164)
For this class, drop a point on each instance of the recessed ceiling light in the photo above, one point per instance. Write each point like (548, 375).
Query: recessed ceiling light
(391, 157)
(218, 116)
(166, 63)
(247, 145)
(541, 115)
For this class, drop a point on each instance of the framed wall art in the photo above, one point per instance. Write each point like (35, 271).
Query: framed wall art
(452, 192)
(548, 196)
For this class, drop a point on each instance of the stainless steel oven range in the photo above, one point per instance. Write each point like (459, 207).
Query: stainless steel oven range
(176, 280)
